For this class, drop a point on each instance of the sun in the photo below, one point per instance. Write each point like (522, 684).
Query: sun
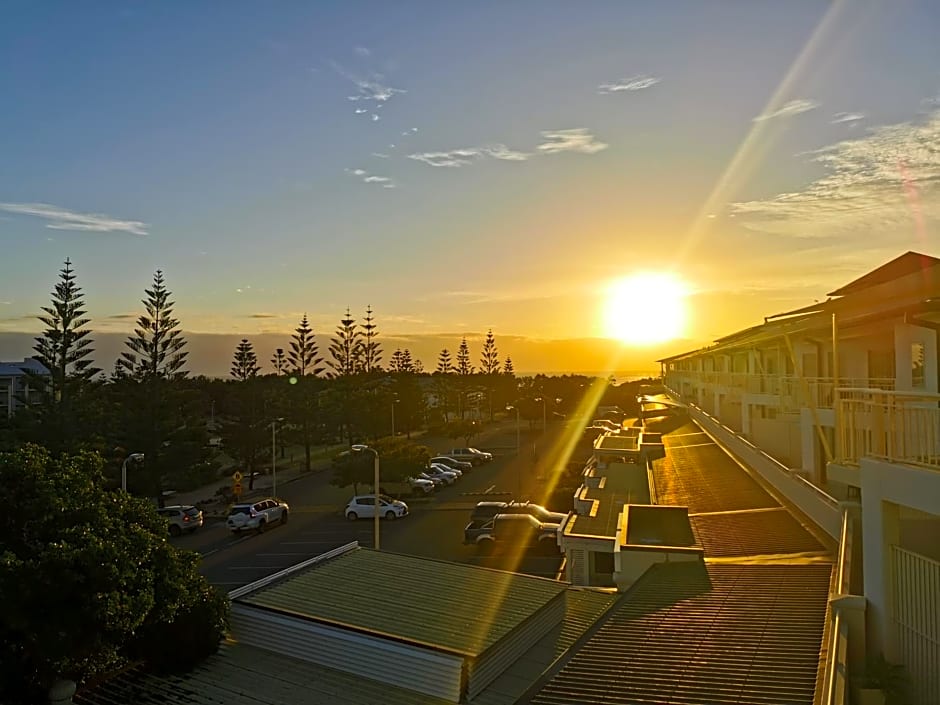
(646, 308)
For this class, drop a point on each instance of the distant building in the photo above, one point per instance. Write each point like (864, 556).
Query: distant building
(14, 384)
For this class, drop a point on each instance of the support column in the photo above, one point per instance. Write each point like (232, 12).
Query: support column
(880, 530)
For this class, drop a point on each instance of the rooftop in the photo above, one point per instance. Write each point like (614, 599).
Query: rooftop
(457, 610)
(620, 484)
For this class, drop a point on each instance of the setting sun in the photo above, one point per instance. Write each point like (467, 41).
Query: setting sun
(646, 308)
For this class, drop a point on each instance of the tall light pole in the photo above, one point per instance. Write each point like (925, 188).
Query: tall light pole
(274, 456)
(136, 457)
(515, 407)
(375, 487)
(394, 401)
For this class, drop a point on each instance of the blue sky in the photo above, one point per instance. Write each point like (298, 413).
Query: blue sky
(461, 167)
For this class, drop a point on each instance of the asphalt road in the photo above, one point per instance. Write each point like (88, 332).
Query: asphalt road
(433, 529)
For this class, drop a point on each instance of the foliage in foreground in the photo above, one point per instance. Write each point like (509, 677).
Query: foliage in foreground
(89, 580)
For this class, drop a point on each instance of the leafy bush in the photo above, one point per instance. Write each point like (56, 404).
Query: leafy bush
(86, 575)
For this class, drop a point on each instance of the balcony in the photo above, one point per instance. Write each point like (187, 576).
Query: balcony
(898, 427)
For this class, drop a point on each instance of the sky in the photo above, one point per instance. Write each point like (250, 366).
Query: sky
(461, 167)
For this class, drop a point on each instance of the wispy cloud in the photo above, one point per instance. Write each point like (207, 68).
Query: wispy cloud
(839, 118)
(553, 141)
(380, 155)
(372, 92)
(362, 51)
(887, 183)
(467, 155)
(367, 178)
(575, 140)
(263, 315)
(628, 85)
(63, 219)
(121, 316)
(794, 107)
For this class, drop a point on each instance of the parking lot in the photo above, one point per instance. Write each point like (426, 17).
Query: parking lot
(433, 529)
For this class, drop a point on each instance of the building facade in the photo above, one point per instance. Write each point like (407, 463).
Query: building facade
(841, 399)
(15, 384)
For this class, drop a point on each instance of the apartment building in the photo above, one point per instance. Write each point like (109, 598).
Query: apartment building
(14, 384)
(837, 405)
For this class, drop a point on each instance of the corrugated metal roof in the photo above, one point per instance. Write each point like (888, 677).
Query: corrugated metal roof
(582, 609)
(247, 675)
(690, 633)
(901, 266)
(448, 606)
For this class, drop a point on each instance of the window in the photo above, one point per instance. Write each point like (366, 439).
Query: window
(918, 380)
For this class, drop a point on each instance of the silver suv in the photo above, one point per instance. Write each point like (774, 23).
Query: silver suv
(257, 516)
(182, 518)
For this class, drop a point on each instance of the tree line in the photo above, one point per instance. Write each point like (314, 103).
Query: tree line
(149, 404)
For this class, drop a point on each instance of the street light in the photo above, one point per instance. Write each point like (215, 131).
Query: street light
(375, 486)
(274, 456)
(512, 407)
(394, 401)
(137, 458)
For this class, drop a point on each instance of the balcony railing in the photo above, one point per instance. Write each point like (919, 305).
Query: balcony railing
(900, 427)
(792, 392)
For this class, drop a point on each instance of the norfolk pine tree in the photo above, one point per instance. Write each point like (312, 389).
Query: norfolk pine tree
(305, 364)
(244, 430)
(64, 349)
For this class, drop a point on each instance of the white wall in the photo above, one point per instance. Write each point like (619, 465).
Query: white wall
(885, 486)
(905, 335)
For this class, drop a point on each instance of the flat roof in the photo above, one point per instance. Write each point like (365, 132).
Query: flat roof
(657, 525)
(620, 484)
(617, 442)
(450, 607)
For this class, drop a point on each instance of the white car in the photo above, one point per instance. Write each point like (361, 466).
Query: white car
(447, 468)
(363, 507)
(436, 479)
(257, 516)
(421, 484)
(182, 518)
(447, 476)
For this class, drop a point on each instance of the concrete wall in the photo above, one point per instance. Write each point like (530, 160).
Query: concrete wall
(886, 487)
(631, 565)
(905, 336)
(778, 437)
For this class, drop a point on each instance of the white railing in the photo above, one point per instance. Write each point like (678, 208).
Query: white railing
(917, 624)
(793, 392)
(900, 427)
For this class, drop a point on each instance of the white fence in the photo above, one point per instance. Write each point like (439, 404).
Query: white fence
(917, 622)
(900, 427)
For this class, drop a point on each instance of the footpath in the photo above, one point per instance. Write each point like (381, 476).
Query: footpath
(207, 496)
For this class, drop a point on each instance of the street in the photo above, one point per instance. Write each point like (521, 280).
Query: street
(433, 529)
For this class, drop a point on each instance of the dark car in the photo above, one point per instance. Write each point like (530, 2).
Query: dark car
(487, 510)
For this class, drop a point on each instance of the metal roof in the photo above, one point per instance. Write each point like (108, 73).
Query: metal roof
(902, 266)
(445, 606)
(692, 633)
(247, 675)
(617, 442)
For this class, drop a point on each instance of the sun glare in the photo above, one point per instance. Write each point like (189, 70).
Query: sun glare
(646, 308)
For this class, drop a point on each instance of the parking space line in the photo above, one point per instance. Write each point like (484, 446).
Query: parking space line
(295, 553)
(252, 567)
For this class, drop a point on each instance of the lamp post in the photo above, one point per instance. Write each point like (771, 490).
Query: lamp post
(274, 456)
(375, 487)
(394, 402)
(514, 407)
(136, 457)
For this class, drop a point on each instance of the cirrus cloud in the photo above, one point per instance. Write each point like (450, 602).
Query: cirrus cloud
(58, 218)
(793, 107)
(578, 139)
(887, 183)
(628, 85)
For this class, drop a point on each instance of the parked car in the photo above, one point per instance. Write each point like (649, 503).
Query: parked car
(512, 530)
(446, 476)
(472, 455)
(452, 462)
(438, 480)
(487, 510)
(408, 486)
(257, 516)
(363, 507)
(447, 468)
(182, 518)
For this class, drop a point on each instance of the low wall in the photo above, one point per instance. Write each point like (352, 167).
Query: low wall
(812, 501)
